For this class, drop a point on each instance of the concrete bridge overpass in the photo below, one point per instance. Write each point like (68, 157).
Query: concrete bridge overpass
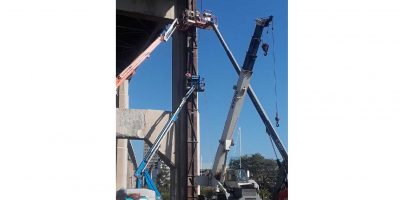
(139, 22)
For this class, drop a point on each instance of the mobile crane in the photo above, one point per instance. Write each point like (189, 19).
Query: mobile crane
(195, 84)
(237, 186)
(189, 18)
(268, 125)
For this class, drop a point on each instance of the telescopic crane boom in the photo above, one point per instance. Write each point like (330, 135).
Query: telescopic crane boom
(263, 115)
(238, 98)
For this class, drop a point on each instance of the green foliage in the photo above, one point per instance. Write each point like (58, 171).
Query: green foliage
(263, 171)
(163, 182)
(265, 194)
(206, 191)
(165, 193)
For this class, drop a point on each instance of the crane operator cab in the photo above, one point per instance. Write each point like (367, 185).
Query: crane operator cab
(236, 177)
(240, 186)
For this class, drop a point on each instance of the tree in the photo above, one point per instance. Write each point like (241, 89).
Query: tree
(163, 181)
(207, 191)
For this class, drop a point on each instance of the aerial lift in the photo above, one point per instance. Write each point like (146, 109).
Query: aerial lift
(195, 84)
(131, 69)
(195, 18)
(189, 19)
(237, 186)
(268, 125)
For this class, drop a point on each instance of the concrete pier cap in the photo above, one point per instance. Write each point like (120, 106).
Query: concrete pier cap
(143, 124)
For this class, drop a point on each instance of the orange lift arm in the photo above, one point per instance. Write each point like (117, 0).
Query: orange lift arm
(190, 18)
(131, 69)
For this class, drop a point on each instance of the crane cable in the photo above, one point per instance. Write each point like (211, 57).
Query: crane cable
(275, 79)
(265, 48)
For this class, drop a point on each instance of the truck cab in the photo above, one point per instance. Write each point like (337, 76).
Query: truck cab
(239, 178)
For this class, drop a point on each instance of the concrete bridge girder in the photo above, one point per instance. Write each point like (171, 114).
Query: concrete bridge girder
(147, 125)
(154, 8)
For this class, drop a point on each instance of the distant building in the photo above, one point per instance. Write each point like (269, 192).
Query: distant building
(156, 164)
(155, 158)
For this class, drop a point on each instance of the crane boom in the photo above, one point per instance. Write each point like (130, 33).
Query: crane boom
(268, 125)
(242, 85)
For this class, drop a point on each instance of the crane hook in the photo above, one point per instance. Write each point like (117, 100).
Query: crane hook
(265, 48)
(277, 119)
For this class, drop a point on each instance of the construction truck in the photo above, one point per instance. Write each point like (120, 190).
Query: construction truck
(235, 184)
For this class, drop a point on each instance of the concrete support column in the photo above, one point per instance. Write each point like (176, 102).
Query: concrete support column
(130, 174)
(193, 133)
(132, 165)
(179, 61)
(122, 164)
(184, 60)
(178, 173)
(122, 144)
(192, 119)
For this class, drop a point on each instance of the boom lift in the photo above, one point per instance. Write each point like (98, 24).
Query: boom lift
(194, 85)
(189, 19)
(197, 19)
(238, 185)
(268, 125)
(131, 69)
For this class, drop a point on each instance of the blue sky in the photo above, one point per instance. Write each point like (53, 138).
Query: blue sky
(150, 87)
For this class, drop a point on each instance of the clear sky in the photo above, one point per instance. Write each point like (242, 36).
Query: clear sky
(150, 87)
